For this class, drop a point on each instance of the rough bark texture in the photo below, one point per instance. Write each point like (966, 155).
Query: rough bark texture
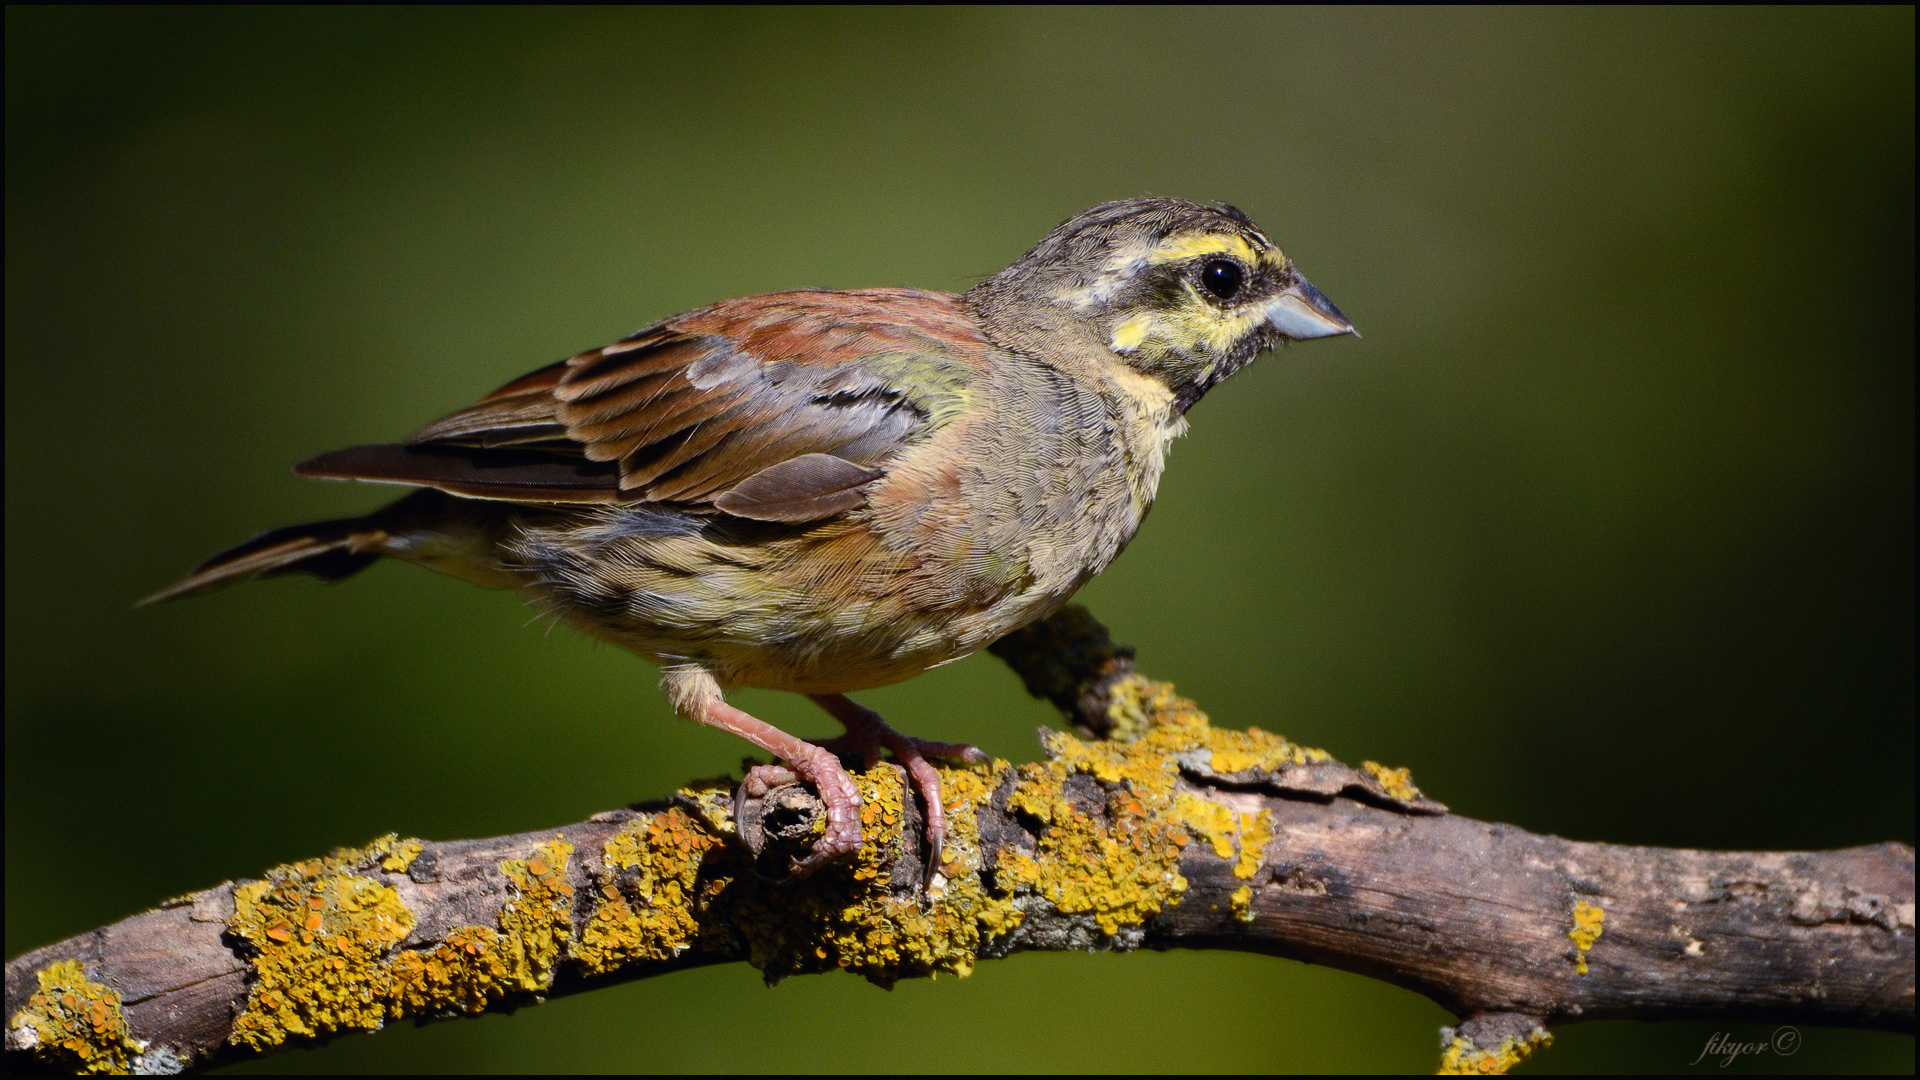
(1157, 831)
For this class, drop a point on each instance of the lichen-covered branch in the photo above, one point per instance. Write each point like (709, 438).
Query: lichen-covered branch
(1155, 829)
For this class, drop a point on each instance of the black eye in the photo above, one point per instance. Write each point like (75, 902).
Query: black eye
(1222, 278)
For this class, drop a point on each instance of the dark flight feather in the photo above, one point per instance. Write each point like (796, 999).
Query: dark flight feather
(515, 475)
(329, 550)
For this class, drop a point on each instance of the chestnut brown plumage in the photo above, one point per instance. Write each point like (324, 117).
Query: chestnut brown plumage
(825, 491)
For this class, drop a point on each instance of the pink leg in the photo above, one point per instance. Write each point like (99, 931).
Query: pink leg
(811, 764)
(867, 733)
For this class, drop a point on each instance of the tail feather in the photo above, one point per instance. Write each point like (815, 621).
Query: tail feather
(329, 550)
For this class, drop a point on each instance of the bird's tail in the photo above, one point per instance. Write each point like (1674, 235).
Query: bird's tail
(329, 550)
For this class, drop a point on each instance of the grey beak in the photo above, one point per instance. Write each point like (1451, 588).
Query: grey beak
(1300, 312)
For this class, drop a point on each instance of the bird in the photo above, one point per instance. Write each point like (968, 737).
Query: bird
(826, 491)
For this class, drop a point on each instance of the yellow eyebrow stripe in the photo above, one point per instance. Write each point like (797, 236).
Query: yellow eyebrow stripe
(1185, 246)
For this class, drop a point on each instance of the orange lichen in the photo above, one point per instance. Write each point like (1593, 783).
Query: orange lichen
(322, 933)
(644, 908)
(74, 1024)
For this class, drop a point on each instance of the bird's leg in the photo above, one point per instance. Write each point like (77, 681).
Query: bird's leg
(810, 764)
(695, 694)
(867, 734)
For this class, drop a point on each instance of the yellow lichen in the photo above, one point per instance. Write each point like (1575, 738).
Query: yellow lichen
(401, 857)
(1463, 1058)
(1242, 901)
(1235, 751)
(1127, 871)
(327, 938)
(1256, 832)
(1239, 837)
(1589, 921)
(464, 973)
(74, 1024)
(992, 911)
(964, 792)
(392, 854)
(1130, 705)
(1395, 782)
(538, 922)
(475, 966)
(714, 800)
(323, 933)
(846, 916)
(1209, 821)
(1121, 870)
(1156, 715)
(1114, 819)
(645, 906)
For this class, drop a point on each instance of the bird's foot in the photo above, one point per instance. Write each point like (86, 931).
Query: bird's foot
(805, 762)
(817, 765)
(867, 735)
(839, 795)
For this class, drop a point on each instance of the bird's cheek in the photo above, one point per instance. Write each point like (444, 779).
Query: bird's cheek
(1132, 332)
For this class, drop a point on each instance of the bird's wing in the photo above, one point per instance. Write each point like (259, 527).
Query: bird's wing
(779, 408)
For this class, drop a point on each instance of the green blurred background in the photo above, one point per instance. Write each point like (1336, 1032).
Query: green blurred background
(1605, 528)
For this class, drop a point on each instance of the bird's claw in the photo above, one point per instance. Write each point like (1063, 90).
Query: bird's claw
(867, 734)
(866, 737)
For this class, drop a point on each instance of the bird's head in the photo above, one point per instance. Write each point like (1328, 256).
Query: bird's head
(1183, 293)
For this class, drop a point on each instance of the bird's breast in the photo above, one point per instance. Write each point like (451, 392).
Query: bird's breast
(1011, 510)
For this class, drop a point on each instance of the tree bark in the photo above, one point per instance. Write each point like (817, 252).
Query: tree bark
(1154, 829)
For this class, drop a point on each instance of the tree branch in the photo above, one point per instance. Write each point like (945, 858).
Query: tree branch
(1155, 829)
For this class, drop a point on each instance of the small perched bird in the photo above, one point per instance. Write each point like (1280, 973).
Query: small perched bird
(824, 491)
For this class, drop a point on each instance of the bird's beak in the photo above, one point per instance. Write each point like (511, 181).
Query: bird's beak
(1300, 312)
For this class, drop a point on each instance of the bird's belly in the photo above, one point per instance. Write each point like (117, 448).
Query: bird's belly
(828, 608)
(790, 645)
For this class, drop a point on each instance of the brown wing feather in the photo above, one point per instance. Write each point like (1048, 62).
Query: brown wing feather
(509, 415)
(715, 401)
(805, 488)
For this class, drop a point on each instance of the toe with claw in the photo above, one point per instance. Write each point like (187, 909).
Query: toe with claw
(696, 694)
(867, 734)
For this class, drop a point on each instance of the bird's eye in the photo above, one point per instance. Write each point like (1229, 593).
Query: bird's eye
(1222, 278)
